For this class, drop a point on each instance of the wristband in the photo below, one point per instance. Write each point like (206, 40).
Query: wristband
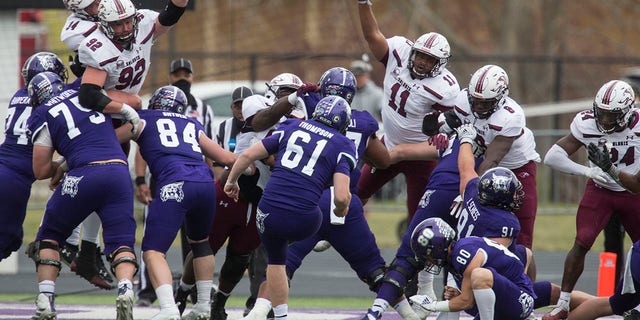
(140, 180)
(442, 306)
(367, 2)
(293, 98)
(231, 184)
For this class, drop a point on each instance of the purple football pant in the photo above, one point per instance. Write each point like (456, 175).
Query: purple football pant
(105, 189)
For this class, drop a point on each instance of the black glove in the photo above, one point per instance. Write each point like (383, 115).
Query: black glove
(430, 123)
(600, 157)
(76, 67)
(452, 119)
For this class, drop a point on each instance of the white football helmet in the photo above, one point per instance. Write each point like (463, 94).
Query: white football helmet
(112, 11)
(281, 85)
(488, 86)
(78, 6)
(432, 44)
(613, 106)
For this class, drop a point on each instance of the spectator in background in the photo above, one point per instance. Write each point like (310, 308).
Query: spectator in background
(369, 95)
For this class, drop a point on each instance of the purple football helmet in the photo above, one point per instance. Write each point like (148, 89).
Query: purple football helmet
(44, 86)
(430, 242)
(499, 187)
(338, 82)
(169, 98)
(333, 111)
(41, 62)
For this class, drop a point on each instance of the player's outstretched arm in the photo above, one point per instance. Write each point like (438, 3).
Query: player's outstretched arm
(376, 40)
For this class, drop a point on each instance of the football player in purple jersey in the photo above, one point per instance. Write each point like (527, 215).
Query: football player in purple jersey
(173, 145)
(95, 163)
(486, 273)
(351, 236)
(16, 154)
(310, 155)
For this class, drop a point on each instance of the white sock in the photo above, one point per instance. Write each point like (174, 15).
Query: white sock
(485, 301)
(47, 286)
(425, 284)
(404, 309)
(280, 311)
(165, 297)
(125, 283)
(261, 307)
(379, 305)
(203, 288)
(185, 286)
(91, 228)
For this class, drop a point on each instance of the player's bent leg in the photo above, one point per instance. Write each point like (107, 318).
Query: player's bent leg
(124, 265)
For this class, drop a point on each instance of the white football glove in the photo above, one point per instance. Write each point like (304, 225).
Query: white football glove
(466, 133)
(456, 207)
(418, 303)
(596, 174)
(130, 115)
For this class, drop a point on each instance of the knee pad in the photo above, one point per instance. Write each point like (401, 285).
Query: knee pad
(118, 261)
(374, 279)
(201, 249)
(402, 274)
(39, 245)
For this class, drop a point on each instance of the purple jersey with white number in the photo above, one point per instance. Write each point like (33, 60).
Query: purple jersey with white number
(308, 154)
(362, 126)
(483, 221)
(497, 257)
(16, 150)
(169, 142)
(74, 130)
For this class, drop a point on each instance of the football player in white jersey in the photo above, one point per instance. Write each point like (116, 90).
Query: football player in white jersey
(610, 132)
(416, 82)
(81, 23)
(503, 136)
(117, 54)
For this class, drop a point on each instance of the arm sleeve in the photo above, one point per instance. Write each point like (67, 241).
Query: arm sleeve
(557, 158)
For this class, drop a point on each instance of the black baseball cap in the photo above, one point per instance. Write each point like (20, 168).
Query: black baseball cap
(181, 63)
(240, 93)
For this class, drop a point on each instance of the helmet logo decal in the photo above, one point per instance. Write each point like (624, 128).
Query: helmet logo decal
(501, 183)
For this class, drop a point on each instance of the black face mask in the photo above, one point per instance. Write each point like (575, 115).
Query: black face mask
(184, 85)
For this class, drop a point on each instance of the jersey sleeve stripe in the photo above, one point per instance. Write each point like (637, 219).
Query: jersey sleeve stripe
(105, 62)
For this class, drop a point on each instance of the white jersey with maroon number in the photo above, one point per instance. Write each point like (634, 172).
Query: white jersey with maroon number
(407, 100)
(508, 121)
(75, 30)
(624, 146)
(126, 69)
